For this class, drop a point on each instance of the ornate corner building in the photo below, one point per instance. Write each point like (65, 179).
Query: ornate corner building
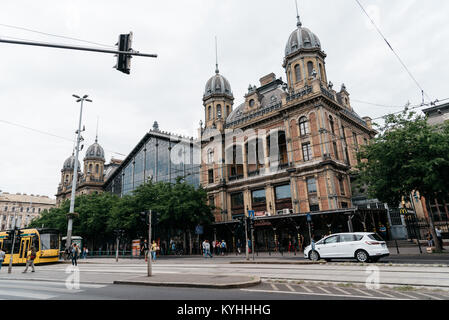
(94, 174)
(289, 147)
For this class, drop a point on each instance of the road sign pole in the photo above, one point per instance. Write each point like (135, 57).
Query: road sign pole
(149, 246)
(246, 238)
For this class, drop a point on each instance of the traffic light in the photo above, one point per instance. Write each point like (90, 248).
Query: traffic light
(124, 60)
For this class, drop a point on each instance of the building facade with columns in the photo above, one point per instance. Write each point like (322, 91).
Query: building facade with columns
(288, 149)
(22, 207)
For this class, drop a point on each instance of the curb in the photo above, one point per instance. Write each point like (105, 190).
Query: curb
(278, 262)
(246, 284)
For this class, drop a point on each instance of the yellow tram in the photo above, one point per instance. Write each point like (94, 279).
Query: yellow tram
(45, 241)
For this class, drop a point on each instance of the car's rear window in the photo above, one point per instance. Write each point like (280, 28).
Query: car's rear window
(375, 236)
(358, 237)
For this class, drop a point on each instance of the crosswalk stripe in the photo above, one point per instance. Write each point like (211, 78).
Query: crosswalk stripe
(429, 296)
(364, 292)
(387, 294)
(407, 295)
(342, 291)
(25, 294)
(274, 287)
(290, 287)
(322, 289)
(307, 289)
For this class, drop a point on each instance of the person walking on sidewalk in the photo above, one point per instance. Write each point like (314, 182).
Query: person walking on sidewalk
(223, 247)
(239, 246)
(145, 249)
(2, 257)
(429, 239)
(154, 248)
(206, 246)
(75, 254)
(31, 255)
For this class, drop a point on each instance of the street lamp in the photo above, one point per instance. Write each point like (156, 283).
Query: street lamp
(75, 173)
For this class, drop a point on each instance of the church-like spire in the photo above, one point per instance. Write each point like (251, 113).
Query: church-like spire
(96, 134)
(216, 57)
(298, 20)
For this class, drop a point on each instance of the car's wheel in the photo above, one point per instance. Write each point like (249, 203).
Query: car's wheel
(362, 256)
(314, 256)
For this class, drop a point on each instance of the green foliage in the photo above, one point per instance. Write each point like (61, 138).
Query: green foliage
(407, 155)
(178, 206)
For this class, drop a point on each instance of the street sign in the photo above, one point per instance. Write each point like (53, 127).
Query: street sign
(309, 218)
(251, 214)
(199, 230)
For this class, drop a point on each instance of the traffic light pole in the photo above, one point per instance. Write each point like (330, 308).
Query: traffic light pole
(59, 46)
(149, 246)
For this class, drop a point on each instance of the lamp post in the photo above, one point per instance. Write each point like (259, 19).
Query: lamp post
(75, 173)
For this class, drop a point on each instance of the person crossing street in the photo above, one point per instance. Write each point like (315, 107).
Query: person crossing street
(31, 255)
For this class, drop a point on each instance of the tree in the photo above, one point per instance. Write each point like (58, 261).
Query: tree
(407, 155)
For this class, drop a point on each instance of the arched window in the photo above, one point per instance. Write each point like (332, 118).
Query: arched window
(310, 68)
(298, 73)
(219, 111)
(228, 110)
(97, 168)
(303, 126)
(331, 123)
(90, 167)
(209, 114)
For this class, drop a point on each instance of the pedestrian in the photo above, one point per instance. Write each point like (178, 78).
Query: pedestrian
(31, 255)
(239, 246)
(86, 253)
(223, 247)
(173, 247)
(383, 231)
(249, 246)
(439, 237)
(218, 248)
(75, 254)
(207, 252)
(213, 246)
(154, 248)
(429, 239)
(145, 249)
(2, 258)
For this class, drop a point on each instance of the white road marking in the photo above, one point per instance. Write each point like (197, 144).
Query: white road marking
(290, 287)
(316, 294)
(363, 292)
(322, 289)
(25, 294)
(342, 291)
(428, 295)
(407, 295)
(274, 287)
(387, 294)
(307, 289)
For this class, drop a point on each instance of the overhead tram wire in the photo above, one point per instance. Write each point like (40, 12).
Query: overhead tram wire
(55, 35)
(395, 53)
(50, 134)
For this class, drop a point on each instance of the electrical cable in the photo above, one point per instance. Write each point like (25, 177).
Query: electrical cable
(55, 35)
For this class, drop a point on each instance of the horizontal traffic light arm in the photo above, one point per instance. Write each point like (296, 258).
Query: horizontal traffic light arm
(49, 45)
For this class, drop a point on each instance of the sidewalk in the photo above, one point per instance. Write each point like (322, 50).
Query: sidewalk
(193, 281)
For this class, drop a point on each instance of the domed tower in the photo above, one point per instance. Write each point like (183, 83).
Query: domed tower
(217, 100)
(304, 58)
(67, 171)
(94, 163)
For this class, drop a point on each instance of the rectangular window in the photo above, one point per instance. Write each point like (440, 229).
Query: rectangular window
(314, 207)
(259, 196)
(354, 135)
(344, 205)
(307, 151)
(211, 200)
(342, 186)
(237, 200)
(311, 185)
(283, 192)
(211, 175)
(335, 150)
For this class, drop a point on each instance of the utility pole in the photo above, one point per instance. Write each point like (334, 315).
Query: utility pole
(245, 220)
(149, 246)
(13, 243)
(75, 173)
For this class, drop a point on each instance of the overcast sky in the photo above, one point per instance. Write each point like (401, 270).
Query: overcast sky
(36, 84)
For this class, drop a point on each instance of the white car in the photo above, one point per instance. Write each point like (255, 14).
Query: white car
(363, 246)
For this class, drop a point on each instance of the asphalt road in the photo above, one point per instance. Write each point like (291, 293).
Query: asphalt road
(50, 290)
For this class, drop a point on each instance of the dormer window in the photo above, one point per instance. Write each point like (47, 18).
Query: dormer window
(219, 111)
(252, 103)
